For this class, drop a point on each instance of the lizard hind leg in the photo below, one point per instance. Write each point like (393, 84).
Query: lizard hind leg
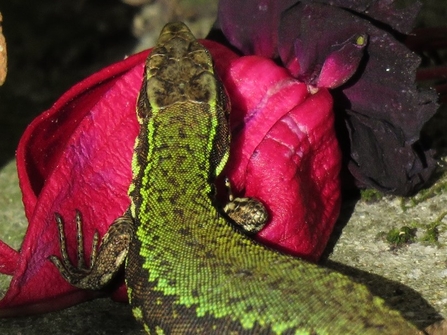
(249, 214)
(105, 262)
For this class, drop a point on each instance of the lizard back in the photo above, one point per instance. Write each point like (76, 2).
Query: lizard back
(188, 270)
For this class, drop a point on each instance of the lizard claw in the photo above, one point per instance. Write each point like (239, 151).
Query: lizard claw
(105, 260)
(74, 274)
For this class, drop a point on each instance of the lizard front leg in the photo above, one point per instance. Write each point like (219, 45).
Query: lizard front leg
(104, 262)
(249, 214)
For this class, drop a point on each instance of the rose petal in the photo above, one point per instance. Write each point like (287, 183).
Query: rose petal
(77, 156)
(270, 97)
(306, 157)
(284, 152)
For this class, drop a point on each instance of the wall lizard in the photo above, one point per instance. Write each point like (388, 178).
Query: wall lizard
(187, 268)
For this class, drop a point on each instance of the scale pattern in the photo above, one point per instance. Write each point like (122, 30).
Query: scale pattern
(188, 270)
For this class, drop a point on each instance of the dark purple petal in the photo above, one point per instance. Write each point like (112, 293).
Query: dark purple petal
(252, 26)
(386, 89)
(341, 64)
(390, 12)
(379, 159)
(318, 42)
(313, 35)
(387, 112)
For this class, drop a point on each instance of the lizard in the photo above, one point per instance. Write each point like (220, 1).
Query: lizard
(188, 268)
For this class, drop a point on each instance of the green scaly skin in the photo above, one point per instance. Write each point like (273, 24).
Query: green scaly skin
(187, 269)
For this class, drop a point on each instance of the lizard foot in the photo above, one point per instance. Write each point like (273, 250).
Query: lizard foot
(105, 261)
(249, 214)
